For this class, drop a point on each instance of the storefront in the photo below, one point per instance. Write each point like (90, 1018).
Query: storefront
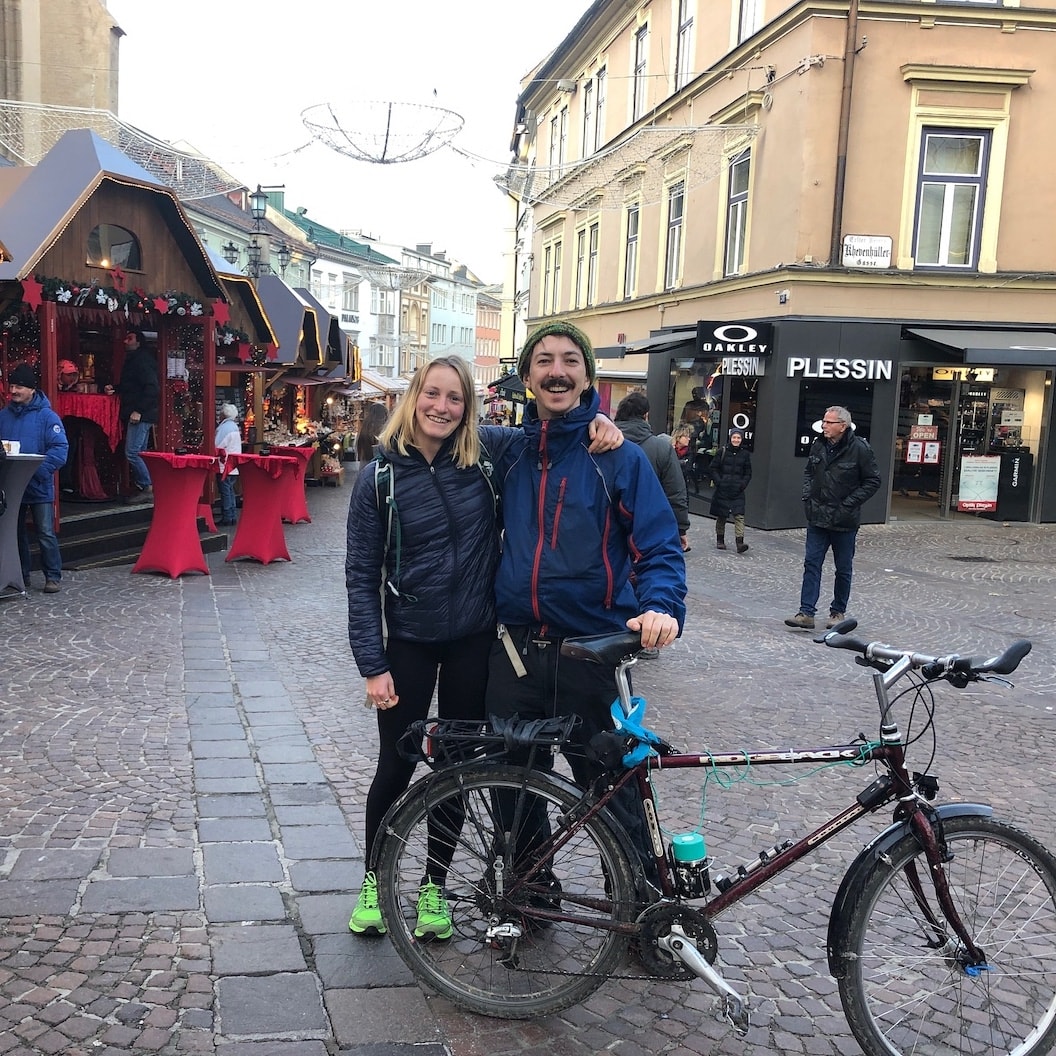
(958, 414)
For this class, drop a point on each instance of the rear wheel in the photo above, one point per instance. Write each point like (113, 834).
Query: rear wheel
(907, 989)
(532, 929)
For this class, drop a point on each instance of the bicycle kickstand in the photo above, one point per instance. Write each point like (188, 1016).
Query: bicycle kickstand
(734, 1007)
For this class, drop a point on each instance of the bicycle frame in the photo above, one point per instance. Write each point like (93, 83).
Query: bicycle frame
(895, 785)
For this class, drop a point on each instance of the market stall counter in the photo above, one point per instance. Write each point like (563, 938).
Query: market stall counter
(16, 471)
(295, 506)
(173, 545)
(265, 480)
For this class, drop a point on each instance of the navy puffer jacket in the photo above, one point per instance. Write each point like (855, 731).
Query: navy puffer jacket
(837, 479)
(448, 551)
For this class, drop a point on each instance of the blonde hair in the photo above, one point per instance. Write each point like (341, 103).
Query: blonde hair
(401, 431)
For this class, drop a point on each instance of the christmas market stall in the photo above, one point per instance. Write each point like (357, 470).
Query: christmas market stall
(99, 247)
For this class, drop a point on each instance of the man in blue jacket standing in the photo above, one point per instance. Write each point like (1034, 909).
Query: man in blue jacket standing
(29, 419)
(590, 546)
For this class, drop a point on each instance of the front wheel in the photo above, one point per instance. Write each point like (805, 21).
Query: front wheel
(533, 929)
(907, 990)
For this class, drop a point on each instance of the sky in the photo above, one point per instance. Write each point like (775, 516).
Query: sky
(231, 78)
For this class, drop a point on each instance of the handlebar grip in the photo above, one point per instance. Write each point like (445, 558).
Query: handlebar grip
(1009, 660)
(845, 641)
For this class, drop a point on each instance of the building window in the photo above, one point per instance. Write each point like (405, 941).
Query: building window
(676, 196)
(601, 81)
(590, 143)
(554, 141)
(737, 213)
(581, 267)
(562, 149)
(951, 185)
(641, 83)
(548, 279)
(110, 246)
(593, 237)
(557, 276)
(630, 252)
(350, 294)
(748, 19)
(684, 44)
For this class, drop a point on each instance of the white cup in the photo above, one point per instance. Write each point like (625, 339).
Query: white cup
(12, 447)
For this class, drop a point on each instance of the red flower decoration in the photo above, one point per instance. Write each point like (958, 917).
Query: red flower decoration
(244, 351)
(119, 278)
(221, 312)
(161, 304)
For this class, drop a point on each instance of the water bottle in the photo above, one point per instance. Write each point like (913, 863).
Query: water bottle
(689, 862)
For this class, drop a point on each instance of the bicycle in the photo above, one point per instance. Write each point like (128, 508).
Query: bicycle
(942, 933)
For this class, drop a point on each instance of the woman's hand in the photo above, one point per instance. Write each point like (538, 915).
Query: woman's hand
(381, 692)
(604, 435)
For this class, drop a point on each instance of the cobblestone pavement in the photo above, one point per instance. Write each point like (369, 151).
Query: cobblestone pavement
(183, 766)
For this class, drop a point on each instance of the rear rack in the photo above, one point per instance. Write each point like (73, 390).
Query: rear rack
(446, 742)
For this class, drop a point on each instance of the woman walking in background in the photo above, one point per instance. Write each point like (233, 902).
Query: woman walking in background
(731, 470)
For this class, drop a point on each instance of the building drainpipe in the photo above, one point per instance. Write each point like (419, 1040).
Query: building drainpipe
(839, 192)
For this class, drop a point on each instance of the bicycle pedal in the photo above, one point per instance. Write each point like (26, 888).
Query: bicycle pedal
(735, 1012)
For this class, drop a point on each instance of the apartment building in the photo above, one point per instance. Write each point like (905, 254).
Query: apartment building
(769, 208)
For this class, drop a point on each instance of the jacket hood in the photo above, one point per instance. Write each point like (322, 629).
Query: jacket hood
(36, 403)
(635, 429)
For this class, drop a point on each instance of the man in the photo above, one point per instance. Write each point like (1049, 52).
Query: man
(576, 526)
(840, 474)
(140, 392)
(29, 419)
(632, 417)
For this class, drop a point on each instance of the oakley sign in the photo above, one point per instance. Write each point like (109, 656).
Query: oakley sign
(715, 339)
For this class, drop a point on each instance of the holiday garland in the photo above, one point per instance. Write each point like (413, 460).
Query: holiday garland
(109, 298)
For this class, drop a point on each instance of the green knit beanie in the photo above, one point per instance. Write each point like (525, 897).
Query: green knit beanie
(573, 333)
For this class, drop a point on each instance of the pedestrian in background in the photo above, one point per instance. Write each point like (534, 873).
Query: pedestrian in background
(372, 423)
(840, 475)
(29, 419)
(228, 441)
(632, 418)
(731, 473)
(140, 393)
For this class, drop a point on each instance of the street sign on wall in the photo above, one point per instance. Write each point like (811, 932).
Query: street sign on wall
(866, 251)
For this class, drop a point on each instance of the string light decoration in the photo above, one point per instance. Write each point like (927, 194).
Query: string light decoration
(383, 133)
(29, 130)
(637, 168)
(392, 278)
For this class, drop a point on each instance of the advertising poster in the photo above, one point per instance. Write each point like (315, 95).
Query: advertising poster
(977, 490)
(915, 451)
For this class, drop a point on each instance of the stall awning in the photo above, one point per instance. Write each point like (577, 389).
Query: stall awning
(293, 320)
(509, 387)
(1023, 348)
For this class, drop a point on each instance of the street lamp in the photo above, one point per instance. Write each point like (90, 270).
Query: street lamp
(258, 204)
(230, 252)
(253, 253)
(285, 256)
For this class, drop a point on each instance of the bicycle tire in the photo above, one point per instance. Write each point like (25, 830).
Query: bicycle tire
(554, 964)
(903, 995)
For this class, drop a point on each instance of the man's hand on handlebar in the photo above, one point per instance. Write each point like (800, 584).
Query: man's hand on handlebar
(656, 628)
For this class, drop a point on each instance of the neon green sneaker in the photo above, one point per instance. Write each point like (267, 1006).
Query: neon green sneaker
(434, 914)
(366, 917)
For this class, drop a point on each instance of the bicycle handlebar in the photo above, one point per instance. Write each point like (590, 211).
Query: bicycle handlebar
(968, 668)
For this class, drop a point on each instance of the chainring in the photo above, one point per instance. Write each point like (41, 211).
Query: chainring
(656, 921)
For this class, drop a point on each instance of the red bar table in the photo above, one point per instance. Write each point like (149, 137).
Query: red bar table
(16, 471)
(295, 507)
(173, 545)
(265, 479)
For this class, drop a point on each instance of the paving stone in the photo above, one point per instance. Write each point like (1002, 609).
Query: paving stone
(293, 773)
(237, 806)
(20, 898)
(286, 753)
(241, 862)
(54, 864)
(150, 861)
(318, 841)
(335, 875)
(398, 1014)
(325, 914)
(275, 1004)
(233, 830)
(256, 949)
(237, 902)
(141, 895)
(351, 961)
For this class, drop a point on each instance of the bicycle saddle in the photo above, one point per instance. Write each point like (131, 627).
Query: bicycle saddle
(607, 649)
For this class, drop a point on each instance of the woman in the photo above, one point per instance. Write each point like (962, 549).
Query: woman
(422, 533)
(373, 421)
(731, 470)
(437, 572)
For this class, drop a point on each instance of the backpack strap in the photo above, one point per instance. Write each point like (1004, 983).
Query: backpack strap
(385, 497)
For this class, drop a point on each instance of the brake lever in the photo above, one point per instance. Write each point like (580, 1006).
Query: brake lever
(997, 680)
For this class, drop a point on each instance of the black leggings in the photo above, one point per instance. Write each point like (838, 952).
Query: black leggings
(462, 666)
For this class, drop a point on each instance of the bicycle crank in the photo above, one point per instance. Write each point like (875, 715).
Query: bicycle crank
(682, 945)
